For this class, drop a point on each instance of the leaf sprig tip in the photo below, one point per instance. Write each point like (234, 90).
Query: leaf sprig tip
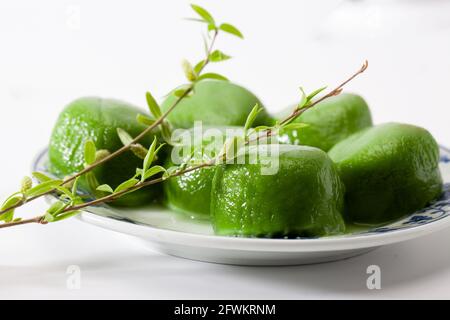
(206, 17)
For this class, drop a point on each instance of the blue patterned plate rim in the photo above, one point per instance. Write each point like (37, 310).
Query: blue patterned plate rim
(432, 218)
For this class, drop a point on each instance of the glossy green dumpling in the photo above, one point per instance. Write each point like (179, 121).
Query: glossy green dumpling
(389, 171)
(215, 103)
(97, 119)
(329, 122)
(303, 198)
(191, 192)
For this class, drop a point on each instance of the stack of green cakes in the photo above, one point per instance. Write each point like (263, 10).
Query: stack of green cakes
(338, 170)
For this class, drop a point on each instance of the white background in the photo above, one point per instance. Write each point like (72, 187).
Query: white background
(55, 51)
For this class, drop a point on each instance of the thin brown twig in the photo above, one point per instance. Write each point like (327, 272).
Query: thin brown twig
(138, 186)
(38, 219)
(109, 157)
(335, 92)
(106, 199)
(111, 197)
(128, 146)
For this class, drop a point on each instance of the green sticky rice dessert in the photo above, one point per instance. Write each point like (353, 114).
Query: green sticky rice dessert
(329, 122)
(389, 171)
(191, 192)
(97, 119)
(215, 103)
(303, 198)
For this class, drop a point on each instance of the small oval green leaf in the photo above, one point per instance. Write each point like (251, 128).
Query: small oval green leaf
(42, 188)
(75, 186)
(313, 94)
(181, 90)
(41, 177)
(126, 185)
(251, 117)
(199, 66)
(153, 171)
(203, 13)
(139, 172)
(56, 208)
(89, 152)
(105, 188)
(124, 137)
(218, 56)
(8, 216)
(91, 181)
(295, 126)
(65, 191)
(65, 215)
(150, 155)
(229, 28)
(26, 184)
(49, 217)
(189, 71)
(303, 99)
(153, 106)
(145, 120)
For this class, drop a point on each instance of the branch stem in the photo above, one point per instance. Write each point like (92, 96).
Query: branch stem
(111, 197)
(134, 141)
(138, 186)
(38, 219)
(268, 132)
(335, 92)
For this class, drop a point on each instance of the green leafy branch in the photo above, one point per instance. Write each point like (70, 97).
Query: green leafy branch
(48, 186)
(70, 203)
(307, 102)
(193, 74)
(206, 17)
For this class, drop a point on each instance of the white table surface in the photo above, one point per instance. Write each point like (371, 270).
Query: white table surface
(122, 50)
(34, 261)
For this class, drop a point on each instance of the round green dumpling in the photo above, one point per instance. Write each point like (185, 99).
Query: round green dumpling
(302, 198)
(97, 119)
(215, 103)
(191, 192)
(389, 171)
(330, 121)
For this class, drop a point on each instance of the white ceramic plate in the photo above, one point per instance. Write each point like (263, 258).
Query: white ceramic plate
(175, 234)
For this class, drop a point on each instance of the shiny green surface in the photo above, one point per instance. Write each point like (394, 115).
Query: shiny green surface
(216, 103)
(191, 193)
(389, 171)
(330, 121)
(304, 198)
(97, 119)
